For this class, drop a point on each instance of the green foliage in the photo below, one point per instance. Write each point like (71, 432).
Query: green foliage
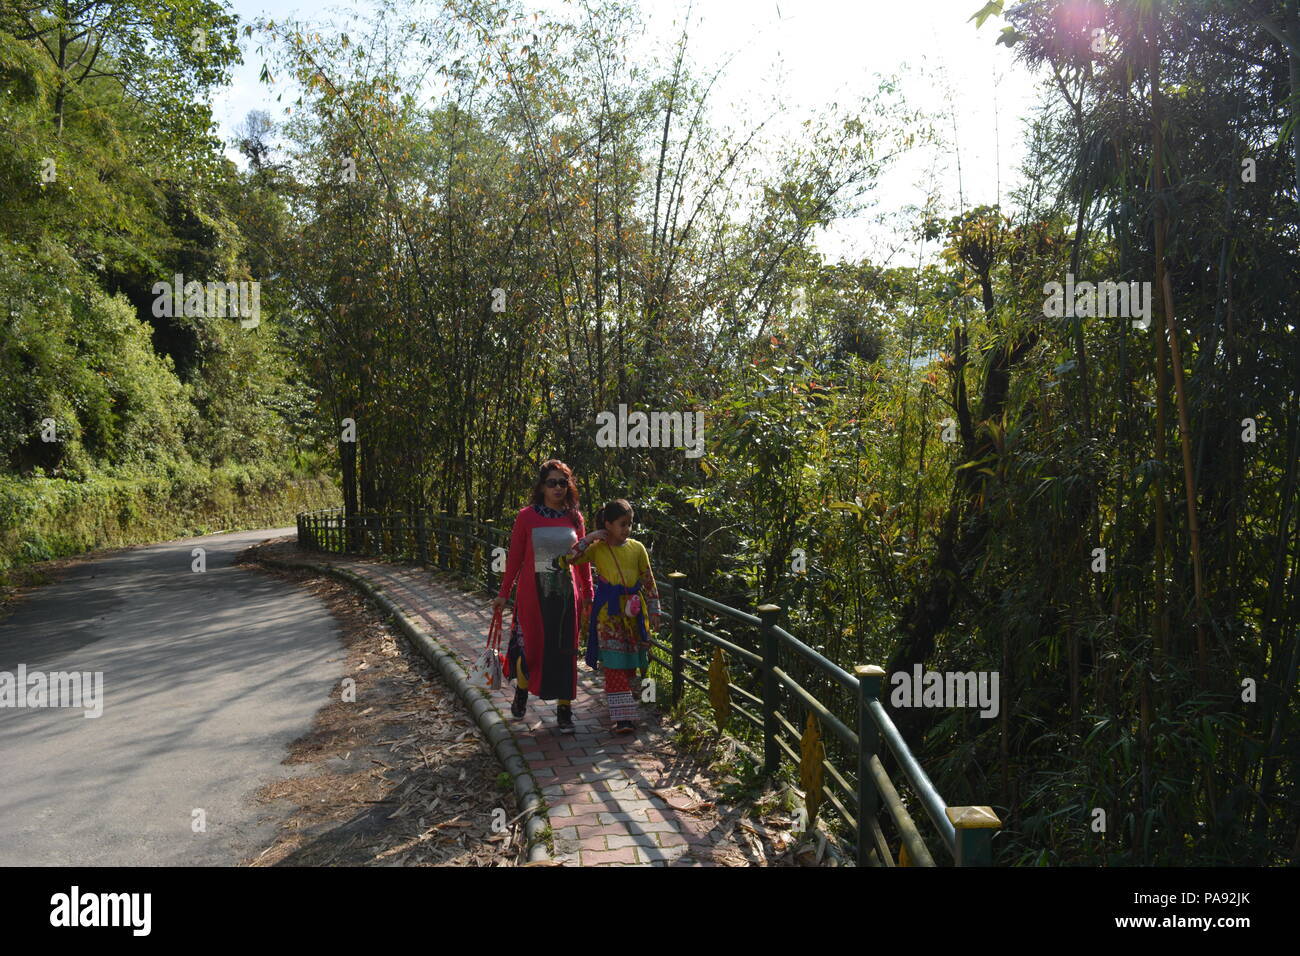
(944, 457)
(110, 181)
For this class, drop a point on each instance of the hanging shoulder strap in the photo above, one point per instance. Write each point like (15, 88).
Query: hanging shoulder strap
(618, 567)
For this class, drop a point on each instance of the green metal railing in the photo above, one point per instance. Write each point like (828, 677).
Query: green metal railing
(780, 668)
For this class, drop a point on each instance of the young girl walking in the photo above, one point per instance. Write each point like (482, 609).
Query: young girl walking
(624, 610)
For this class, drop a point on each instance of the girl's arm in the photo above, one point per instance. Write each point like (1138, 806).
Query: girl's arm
(650, 591)
(579, 553)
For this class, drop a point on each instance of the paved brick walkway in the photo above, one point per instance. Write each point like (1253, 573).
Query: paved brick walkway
(599, 787)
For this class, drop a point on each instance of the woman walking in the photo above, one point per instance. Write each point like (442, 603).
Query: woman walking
(550, 601)
(626, 600)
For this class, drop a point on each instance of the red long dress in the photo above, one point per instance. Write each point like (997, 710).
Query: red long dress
(548, 601)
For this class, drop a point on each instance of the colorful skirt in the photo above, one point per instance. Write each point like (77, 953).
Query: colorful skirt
(622, 644)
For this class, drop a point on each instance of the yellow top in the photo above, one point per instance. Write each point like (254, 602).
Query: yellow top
(624, 564)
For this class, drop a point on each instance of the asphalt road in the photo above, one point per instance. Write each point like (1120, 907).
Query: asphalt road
(207, 677)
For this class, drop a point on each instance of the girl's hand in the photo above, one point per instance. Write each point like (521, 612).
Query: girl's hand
(500, 603)
(654, 623)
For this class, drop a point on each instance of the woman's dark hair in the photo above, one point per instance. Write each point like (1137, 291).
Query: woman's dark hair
(613, 511)
(570, 494)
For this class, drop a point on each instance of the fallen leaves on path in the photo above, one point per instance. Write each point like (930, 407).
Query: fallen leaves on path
(402, 776)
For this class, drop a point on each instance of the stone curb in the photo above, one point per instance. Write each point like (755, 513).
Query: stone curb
(489, 720)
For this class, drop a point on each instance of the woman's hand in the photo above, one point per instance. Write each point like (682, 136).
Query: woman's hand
(599, 534)
(500, 603)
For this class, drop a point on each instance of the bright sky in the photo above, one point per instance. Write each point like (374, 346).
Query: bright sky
(810, 53)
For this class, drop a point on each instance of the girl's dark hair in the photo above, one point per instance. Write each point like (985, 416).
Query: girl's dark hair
(570, 495)
(613, 511)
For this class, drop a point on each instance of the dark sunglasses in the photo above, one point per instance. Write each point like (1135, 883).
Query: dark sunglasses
(557, 483)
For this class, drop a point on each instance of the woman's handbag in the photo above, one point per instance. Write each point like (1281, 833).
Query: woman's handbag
(592, 657)
(486, 672)
(514, 659)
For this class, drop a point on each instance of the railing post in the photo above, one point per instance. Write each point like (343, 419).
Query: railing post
(771, 753)
(870, 677)
(489, 535)
(679, 582)
(465, 545)
(975, 827)
(422, 538)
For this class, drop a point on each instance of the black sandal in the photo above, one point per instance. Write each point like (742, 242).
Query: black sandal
(564, 718)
